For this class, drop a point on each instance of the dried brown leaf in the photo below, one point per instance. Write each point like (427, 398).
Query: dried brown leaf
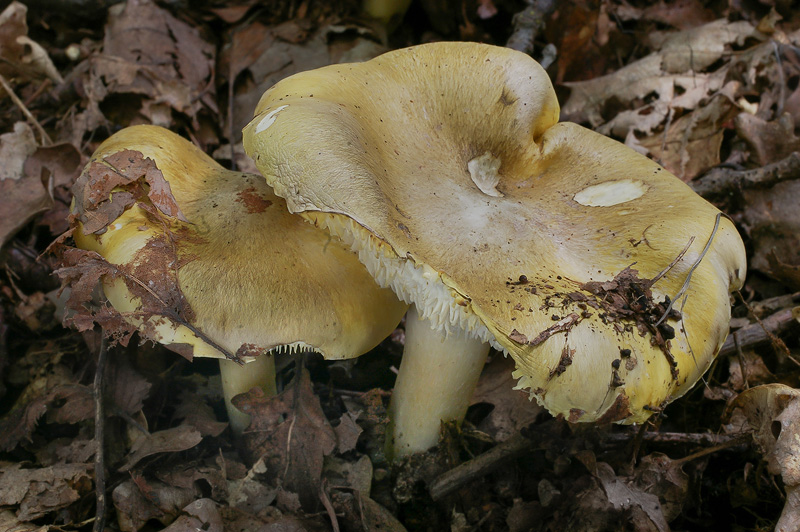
(201, 514)
(197, 413)
(292, 435)
(125, 386)
(138, 500)
(773, 220)
(692, 143)
(512, 409)
(38, 492)
(20, 57)
(769, 141)
(82, 270)
(147, 51)
(171, 440)
(673, 73)
(66, 403)
(772, 412)
(106, 189)
(10, 523)
(347, 432)
(22, 195)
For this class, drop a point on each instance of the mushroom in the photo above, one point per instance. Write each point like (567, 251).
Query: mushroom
(229, 272)
(444, 166)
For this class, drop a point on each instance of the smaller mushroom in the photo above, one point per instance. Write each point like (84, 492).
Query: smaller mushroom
(211, 259)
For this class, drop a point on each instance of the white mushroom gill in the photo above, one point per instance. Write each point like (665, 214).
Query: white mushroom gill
(485, 173)
(611, 193)
(269, 119)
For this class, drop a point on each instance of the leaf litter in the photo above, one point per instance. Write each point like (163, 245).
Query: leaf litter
(699, 88)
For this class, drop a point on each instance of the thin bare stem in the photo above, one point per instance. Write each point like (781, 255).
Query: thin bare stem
(46, 140)
(99, 439)
(685, 286)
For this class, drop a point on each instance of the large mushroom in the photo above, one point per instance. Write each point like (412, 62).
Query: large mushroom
(606, 278)
(228, 271)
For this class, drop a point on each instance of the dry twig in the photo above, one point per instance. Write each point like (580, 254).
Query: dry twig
(99, 439)
(46, 141)
(720, 181)
(528, 23)
(757, 333)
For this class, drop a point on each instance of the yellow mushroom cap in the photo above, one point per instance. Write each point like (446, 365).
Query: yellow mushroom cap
(250, 273)
(445, 167)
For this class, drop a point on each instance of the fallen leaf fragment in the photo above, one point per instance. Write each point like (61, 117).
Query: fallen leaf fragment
(105, 189)
(772, 412)
(21, 57)
(10, 523)
(201, 514)
(511, 409)
(138, 500)
(773, 220)
(22, 195)
(38, 492)
(171, 440)
(149, 52)
(627, 496)
(251, 494)
(769, 142)
(290, 432)
(669, 72)
(67, 403)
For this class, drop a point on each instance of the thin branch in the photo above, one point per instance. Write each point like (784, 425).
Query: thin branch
(685, 286)
(481, 465)
(721, 181)
(46, 141)
(741, 439)
(99, 439)
(760, 332)
(672, 264)
(326, 503)
(528, 23)
(517, 445)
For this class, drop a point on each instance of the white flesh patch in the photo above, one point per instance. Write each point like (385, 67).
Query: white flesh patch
(611, 193)
(269, 119)
(484, 171)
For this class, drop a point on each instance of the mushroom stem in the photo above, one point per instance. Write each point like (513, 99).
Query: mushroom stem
(437, 376)
(238, 379)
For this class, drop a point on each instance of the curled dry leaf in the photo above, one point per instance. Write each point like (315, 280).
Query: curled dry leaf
(21, 57)
(201, 514)
(773, 219)
(672, 72)
(511, 409)
(22, 195)
(105, 189)
(138, 500)
(103, 192)
(291, 434)
(149, 52)
(41, 491)
(66, 403)
(772, 412)
(171, 440)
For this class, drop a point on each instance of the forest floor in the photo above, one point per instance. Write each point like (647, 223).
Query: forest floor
(709, 90)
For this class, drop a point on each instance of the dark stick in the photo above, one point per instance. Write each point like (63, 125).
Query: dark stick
(517, 445)
(720, 181)
(528, 23)
(99, 438)
(757, 333)
(479, 466)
